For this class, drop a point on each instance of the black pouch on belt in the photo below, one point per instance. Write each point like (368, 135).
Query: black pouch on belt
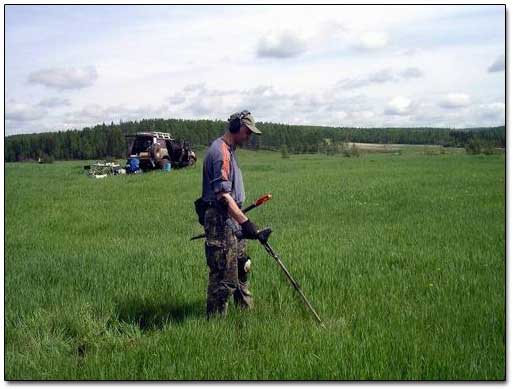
(201, 207)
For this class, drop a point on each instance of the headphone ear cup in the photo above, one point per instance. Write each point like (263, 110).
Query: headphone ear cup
(235, 125)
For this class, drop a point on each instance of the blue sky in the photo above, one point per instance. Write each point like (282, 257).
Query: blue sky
(75, 66)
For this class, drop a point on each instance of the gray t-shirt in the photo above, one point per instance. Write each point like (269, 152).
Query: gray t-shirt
(221, 173)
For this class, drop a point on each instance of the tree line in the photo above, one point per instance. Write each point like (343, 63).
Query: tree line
(104, 141)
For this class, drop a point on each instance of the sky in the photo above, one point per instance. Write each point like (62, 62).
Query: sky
(67, 67)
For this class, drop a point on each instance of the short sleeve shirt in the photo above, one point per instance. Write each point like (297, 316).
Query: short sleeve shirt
(221, 173)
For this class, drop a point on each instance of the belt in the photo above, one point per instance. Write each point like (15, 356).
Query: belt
(217, 204)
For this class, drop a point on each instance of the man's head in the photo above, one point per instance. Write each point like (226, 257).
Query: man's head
(241, 126)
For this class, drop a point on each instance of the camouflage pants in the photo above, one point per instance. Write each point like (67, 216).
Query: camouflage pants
(226, 257)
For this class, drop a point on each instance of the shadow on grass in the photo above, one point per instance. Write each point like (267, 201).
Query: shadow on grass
(154, 315)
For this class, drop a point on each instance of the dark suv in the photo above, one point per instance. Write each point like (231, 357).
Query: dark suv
(155, 149)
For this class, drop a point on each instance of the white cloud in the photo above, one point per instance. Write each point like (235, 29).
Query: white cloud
(65, 78)
(399, 106)
(197, 87)
(409, 52)
(21, 112)
(361, 117)
(282, 44)
(339, 115)
(454, 100)
(267, 103)
(92, 114)
(493, 111)
(206, 106)
(308, 103)
(380, 77)
(353, 83)
(372, 40)
(177, 99)
(52, 102)
(411, 72)
(498, 65)
(92, 111)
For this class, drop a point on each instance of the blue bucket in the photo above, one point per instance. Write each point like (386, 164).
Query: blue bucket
(167, 167)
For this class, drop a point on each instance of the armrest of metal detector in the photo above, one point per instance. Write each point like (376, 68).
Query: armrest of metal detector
(263, 234)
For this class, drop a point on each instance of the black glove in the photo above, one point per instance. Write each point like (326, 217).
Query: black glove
(249, 230)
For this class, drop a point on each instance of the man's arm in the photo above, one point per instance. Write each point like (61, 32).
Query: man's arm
(249, 229)
(233, 209)
(223, 187)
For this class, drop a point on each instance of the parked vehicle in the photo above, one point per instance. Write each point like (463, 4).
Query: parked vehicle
(155, 149)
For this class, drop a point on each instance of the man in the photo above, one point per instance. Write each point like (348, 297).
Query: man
(223, 195)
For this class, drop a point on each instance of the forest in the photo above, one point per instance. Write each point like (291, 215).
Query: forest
(112, 140)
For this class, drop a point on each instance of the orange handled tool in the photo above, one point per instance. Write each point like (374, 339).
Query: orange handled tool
(264, 199)
(261, 200)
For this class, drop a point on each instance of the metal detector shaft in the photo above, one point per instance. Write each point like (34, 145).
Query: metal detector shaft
(271, 252)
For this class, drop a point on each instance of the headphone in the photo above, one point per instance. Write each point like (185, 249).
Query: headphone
(235, 121)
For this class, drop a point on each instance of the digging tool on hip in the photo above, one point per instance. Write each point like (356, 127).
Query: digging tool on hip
(261, 200)
(263, 236)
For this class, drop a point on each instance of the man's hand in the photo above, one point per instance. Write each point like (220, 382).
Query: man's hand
(249, 230)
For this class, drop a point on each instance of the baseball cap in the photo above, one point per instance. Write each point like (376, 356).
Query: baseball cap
(249, 122)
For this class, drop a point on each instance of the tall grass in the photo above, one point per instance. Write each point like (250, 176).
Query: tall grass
(402, 255)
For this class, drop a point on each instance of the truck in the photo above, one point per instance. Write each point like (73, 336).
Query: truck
(156, 149)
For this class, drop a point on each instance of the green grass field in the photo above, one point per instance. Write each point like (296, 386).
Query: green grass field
(403, 256)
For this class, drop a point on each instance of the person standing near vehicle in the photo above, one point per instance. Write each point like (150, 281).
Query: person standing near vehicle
(222, 199)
